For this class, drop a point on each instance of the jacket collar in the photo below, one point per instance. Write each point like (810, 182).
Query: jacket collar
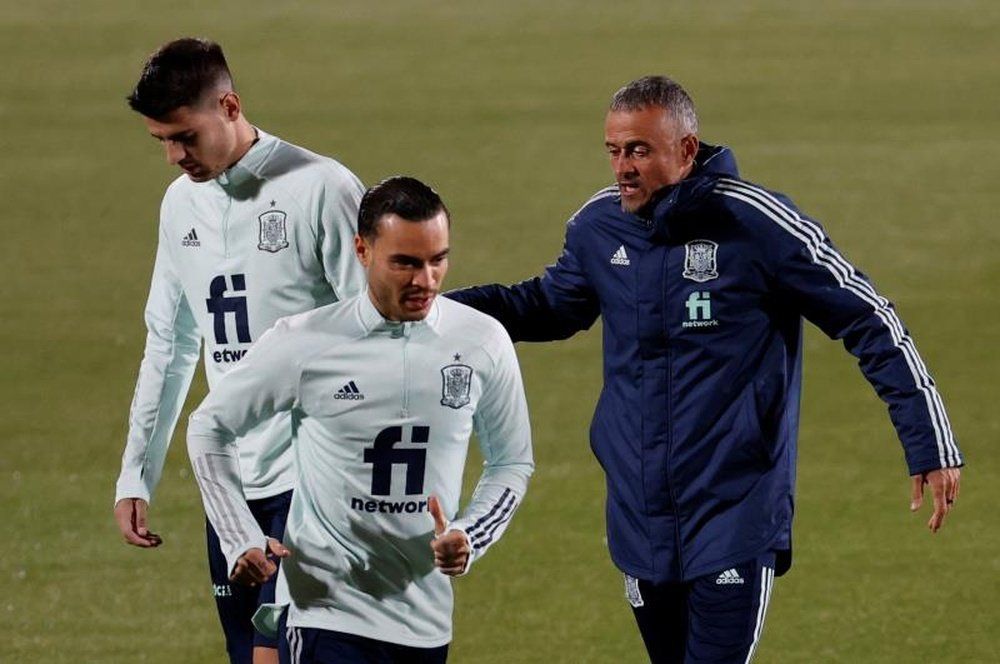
(250, 165)
(373, 323)
(711, 163)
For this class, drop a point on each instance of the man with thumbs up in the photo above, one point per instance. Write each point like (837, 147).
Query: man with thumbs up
(384, 390)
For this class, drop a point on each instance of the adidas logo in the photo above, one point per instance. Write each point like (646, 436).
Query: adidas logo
(620, 257)
(350, 392)
(191, 240)
(728, 577)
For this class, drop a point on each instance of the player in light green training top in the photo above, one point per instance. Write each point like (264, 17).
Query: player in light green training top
(254, 229)
(384, 391)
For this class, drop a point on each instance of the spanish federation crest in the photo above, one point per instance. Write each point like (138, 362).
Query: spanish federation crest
(273, 235)
(699, 261)
(456, 384)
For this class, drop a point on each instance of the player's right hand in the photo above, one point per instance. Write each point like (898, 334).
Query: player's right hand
(130, 514)
(254, 567)
(451, 546)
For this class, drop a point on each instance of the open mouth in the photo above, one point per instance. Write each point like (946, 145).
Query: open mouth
(628, 188)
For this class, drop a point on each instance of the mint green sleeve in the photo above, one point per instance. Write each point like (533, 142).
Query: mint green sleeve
(168, 363)
(264, 383)
(338, 224)
(504, 432)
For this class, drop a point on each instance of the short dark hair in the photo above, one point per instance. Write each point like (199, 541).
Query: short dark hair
(178, 74)
(407, 197)
(658, 91)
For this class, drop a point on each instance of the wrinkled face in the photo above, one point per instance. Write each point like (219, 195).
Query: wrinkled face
(200, 139)
(406, 263)
(648, 151)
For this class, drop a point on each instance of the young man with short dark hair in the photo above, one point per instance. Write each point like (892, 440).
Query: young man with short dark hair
(255, 229)
(385, 389)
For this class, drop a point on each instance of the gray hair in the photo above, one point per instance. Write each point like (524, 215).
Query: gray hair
(658, 91)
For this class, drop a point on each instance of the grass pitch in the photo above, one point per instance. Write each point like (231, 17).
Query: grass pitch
(878, 118)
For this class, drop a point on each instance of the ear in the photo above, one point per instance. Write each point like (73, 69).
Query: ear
(231, 105)
(362, 250)
(689, 148)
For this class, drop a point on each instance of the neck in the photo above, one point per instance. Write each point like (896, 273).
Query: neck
(382, 311)
(379, 308)
(246, 136)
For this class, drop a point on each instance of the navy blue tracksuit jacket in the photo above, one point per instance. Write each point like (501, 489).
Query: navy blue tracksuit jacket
(702, 305)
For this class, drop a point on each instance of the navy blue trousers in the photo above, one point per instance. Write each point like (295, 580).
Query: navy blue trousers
(714, 619)
(237, 603)
(305, 645)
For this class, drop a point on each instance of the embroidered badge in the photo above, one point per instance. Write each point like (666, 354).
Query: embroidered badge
(273, 234)
(456, 384)
(699, 261)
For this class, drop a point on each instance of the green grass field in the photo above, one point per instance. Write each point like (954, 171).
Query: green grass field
(878, 118)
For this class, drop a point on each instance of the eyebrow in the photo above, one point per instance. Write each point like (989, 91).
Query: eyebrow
(628, 144)
(413, 259)
(187, 133)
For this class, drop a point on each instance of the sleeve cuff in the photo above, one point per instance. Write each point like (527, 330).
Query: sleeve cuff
(921, 467)
(125, 489)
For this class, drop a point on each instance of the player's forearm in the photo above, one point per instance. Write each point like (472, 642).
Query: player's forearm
(524, 310)
(889, 360)
(496, 498)
(216, 468)
(486, 518)
(164, 379)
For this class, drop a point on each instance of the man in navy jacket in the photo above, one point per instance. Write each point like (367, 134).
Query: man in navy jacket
(702, 281)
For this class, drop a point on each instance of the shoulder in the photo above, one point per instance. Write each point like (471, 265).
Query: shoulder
(297, 338)
(754, 205)
(771, 217)
(180, 185)
(463, 321)
(603, 201)
(177, 194)
(179, 199)
(298, 167)
(335, 318)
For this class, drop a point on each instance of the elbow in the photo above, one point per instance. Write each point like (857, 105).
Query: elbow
(199, 434)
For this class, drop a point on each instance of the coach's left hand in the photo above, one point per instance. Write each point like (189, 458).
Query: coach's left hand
(944, 487)
(451, 547)
(254, 567)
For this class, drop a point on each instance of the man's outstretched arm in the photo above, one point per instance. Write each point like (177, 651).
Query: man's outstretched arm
(555, 305)
(841, 301)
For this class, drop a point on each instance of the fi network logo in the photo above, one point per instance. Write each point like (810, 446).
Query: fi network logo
(699, 310)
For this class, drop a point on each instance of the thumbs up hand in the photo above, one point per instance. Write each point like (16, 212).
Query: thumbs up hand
(452, 550)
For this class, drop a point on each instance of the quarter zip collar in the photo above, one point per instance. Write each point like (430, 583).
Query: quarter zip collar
(372, 321)
(249, 166)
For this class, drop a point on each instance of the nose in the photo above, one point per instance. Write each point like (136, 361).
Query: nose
(425, 277)
(175, 152)
(621, 164)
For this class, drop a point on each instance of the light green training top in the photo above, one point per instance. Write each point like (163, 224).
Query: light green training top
(383, 412)
(270, 237)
